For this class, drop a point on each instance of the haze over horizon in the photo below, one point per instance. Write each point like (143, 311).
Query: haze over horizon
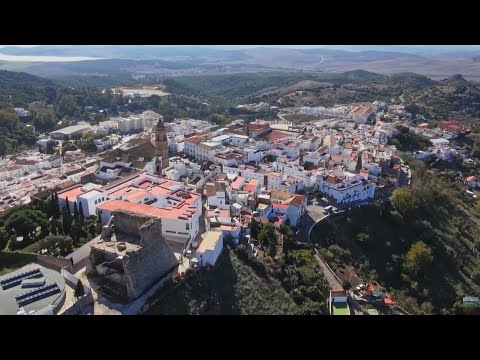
(416, 49)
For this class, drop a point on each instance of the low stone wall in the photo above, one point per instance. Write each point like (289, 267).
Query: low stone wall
(54, 262)
(81, 253)
(78, 307)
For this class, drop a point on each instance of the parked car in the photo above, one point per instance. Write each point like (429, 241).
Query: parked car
(360, 288)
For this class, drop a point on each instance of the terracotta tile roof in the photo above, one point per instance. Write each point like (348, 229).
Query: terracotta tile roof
(195, 139)
(298, 200)
(126, 206)
(256, 127)
(237, 184)
(71, 193)
(332, 179)
(252, 185)
(210, 189)
(280, 195)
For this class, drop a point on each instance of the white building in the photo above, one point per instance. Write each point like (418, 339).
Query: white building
(90, 200)
(293, 205)
(21, 112)
(216, 195)
(106, 127)
(69, 131)
(178, 209)
(210, 248)
(347, 188)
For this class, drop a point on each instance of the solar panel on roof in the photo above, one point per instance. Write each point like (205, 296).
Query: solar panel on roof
(35, 291)
(38, 296)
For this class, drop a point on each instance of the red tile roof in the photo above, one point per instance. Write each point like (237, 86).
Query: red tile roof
(237, 184)
(332, 179)
(71, 194)
(252, 185)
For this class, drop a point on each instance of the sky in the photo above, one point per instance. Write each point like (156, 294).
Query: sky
(304, 46)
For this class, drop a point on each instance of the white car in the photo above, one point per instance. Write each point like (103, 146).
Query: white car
(360, 288)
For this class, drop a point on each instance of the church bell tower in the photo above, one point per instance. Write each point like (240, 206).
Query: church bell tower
(161, 145)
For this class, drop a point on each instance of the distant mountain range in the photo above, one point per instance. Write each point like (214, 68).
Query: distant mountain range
(146, 60)
(137, 61)
(158, 51)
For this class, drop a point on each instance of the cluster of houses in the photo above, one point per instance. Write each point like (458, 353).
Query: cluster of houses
(24, 175)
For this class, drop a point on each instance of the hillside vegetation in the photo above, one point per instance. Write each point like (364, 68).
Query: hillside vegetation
(454, 97)
(232, 287)
(423, 247)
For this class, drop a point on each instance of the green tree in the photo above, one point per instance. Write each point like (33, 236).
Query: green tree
(88, 144)
(24, 222)
(66, 220)
(3, 146)
(286, 230)
(359, 165)
(404, 201)
(54, 227)
(56, 205)
(418, 259)
(476, 153)
(82, 215)
(50, 147)
(311, 308)
(3, 238)
(79, 289)
(363, 237)
(13, 244)
(346, 285)
(75, 211)
(75, 232)
(67, 205)
(265, 234)
(97, 118)
(475, 274)
(67, 105)
(68, 146)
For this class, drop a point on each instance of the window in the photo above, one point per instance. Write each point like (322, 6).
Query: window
(187, 226)
(95, 202)
(103, 199)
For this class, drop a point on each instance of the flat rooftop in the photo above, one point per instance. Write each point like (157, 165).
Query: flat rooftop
(8, 303)
(70, 129)
(111, 246)
(209, 241)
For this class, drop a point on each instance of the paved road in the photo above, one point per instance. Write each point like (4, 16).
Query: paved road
(313, 215)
